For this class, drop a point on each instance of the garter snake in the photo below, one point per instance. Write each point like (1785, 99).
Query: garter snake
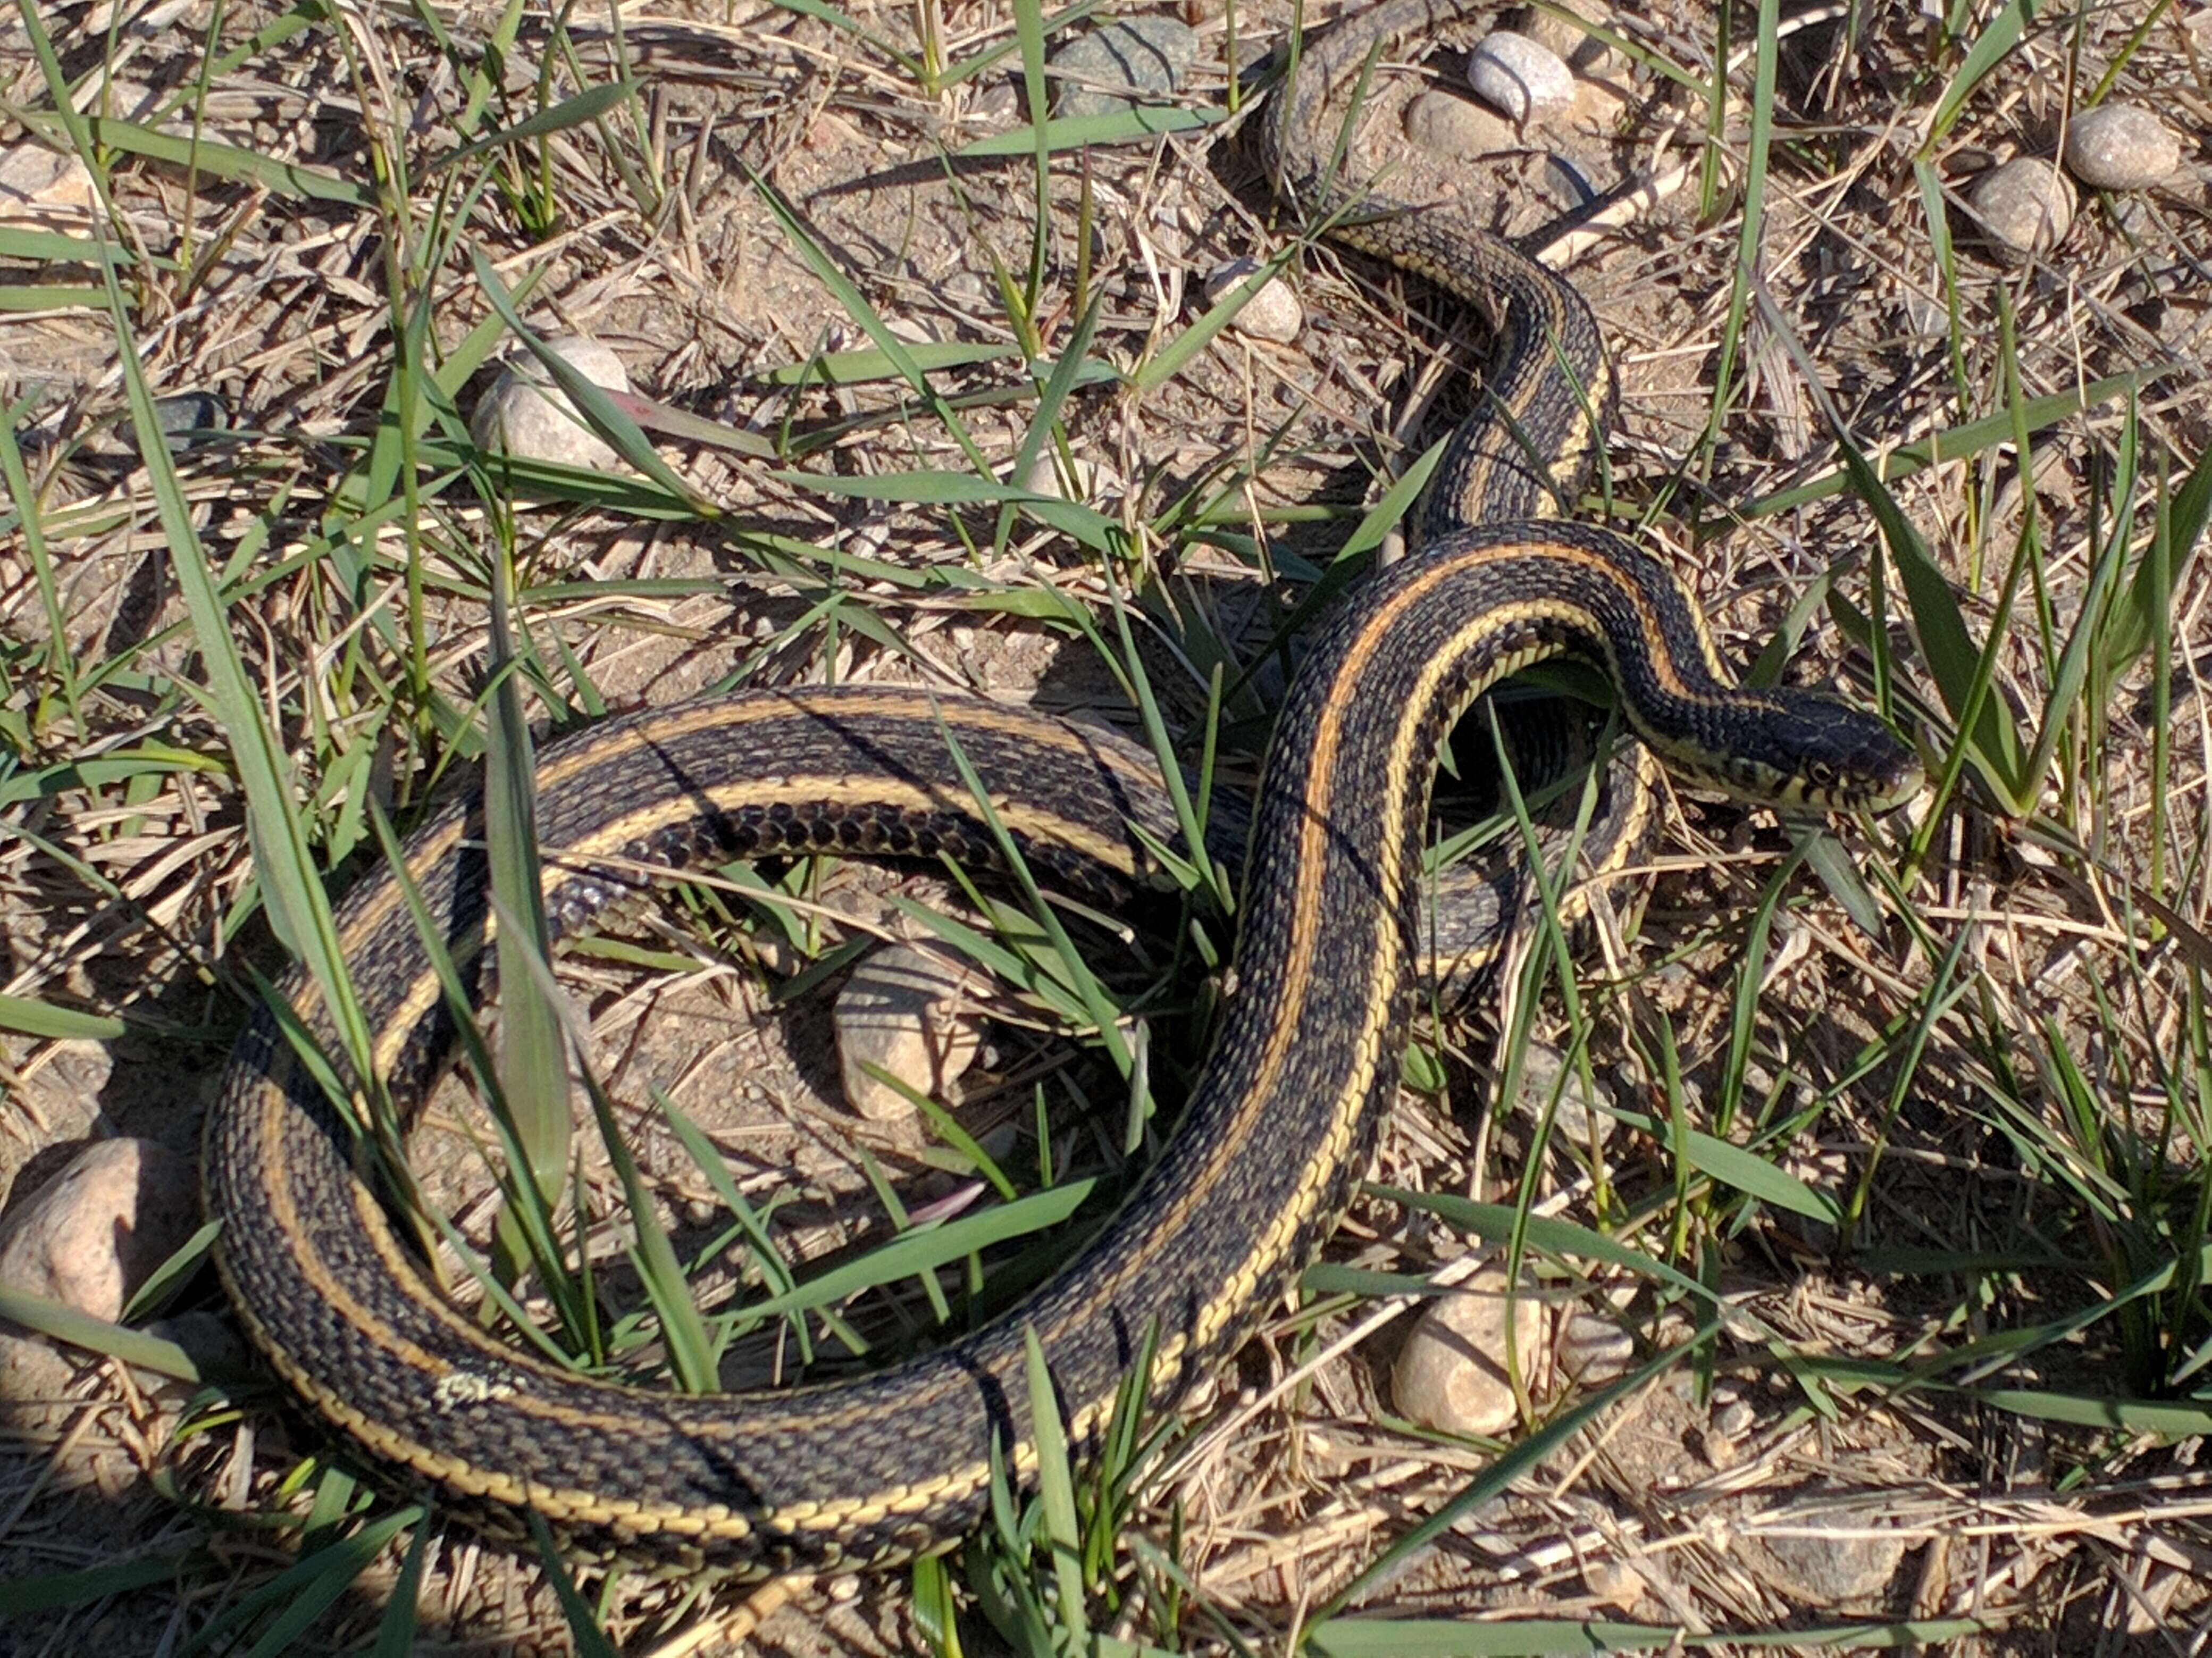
(878, 1467)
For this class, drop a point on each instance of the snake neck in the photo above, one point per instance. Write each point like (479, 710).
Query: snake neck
(1529, 448)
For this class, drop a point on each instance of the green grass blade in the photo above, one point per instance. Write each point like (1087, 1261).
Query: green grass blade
(1055, 1491)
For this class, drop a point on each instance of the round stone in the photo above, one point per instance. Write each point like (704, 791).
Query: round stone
(2026, 206)
(1451, 1373)
(2120, 147)
(1272, 313)
(1456, 129)
(1147, 55)
(525, 413)
(1512, 73)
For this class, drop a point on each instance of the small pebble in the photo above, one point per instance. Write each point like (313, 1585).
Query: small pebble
(1457, 129)
(902, 1012)
(1149, 54)
(2026, 206)
(1273, 313)
(524, 413)
(2120, 147)
(1451, 1372)
(94, 1233)
(1512, 73)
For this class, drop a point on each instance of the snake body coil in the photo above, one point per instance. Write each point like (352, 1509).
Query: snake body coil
(879, 1468)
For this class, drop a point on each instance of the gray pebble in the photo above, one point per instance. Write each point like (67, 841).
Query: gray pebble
(2120, 147)
(1150, 55)
(525, 413)
(904, 1012)
(2026, 206)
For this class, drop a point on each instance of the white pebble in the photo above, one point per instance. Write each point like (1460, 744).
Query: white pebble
(1451, 1372)
(903, 1012)
(2119, 147)
(525, 413)
(2026, 205)
(1514, 74)
(1273, 313)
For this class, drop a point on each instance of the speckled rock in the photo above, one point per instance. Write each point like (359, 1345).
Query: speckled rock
(2025, 207)
(1149, 55)
(525, 413)
(1451, 1372)
(903, 1012)
(1457, 129)
(2120, 147)
(1273, 313)
(1514, 74)
(91, 1236)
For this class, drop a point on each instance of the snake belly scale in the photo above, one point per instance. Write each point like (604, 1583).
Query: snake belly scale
(879, 1468)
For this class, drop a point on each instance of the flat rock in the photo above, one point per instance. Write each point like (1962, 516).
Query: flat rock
(2120, 147)
(1148, 55)
(94, 1233)
(1583, 52)
(41, 188)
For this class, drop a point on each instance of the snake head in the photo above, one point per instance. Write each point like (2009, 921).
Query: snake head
(1802, 748)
